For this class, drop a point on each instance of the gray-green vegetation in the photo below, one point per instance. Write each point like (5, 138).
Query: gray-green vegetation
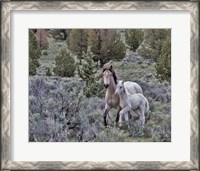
(134, 38)
(68, 107)
(157, 46)
(88, 71)
(34, 53)
(106, 45)
(163, 66)
(77, 42)
(65, 64)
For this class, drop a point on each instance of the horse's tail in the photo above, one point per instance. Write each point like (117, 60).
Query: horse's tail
(146, 106)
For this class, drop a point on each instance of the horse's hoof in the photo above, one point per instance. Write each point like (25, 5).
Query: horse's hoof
(105, 125)
(119, 125)
(116, 124)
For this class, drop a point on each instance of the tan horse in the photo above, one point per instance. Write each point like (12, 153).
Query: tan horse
(112, 99)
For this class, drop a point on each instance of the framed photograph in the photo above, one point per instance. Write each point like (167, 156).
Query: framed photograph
(100, 85)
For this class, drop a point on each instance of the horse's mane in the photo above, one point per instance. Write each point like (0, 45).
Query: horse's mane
(113, 73)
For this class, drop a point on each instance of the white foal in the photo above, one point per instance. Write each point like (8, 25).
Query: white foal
(130, 102)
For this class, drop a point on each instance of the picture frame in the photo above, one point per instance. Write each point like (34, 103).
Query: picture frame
(6, 70)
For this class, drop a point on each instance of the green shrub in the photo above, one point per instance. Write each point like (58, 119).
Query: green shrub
(163, 66)
(59, 34)
(33, 64)
(134, 38)
(34, 53)
(77, 43)
(65, 64)
(45, 53)
(87, 72)
(106, 45)
(161, 133)
(153, 41)
(48, 72)
(157, 46)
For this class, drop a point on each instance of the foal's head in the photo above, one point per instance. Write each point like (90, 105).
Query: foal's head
(120, 88)
(108, 74)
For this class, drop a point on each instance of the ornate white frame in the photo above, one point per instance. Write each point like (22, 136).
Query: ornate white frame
(7, 7)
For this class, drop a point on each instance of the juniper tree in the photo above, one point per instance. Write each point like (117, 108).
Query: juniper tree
(61, 34)
(134, 38)
(77, 42)
(95, 43)
(34, 53)
(106, 45)
(163, 66)
(152, 45)
(65, 64)
(88, 71)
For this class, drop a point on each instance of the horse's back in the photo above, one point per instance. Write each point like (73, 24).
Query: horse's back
(132, 87)
(135, 100)
(139, 101)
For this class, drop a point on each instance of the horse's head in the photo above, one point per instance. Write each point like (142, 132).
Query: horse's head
(108, 74)
(120, 87)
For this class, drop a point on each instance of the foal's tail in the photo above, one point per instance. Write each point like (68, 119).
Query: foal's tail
(147, 110)
(146, 106)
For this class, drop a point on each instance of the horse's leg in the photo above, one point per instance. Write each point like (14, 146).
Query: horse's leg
(126, 116)
(127, 119)
(118, 110)
(105, 114)
(124, 110)
(142, 116)
(129, 115)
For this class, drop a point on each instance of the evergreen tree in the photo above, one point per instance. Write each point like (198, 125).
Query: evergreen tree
(87, 71)
(157, 46)
(48, 72)
(134, 38)
(77, 42)
(65, 64)
(106, 45)
(34, 53)
(59, 33)
(112, 47)
(152, 45)
(95, 43)
(163, 66)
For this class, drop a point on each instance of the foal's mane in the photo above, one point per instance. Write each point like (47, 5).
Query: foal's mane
(113, 73)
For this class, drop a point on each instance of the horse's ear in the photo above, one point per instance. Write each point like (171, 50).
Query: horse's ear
(111, 67)
(123, 82)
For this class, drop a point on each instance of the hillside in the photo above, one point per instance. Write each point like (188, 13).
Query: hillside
(59, 110)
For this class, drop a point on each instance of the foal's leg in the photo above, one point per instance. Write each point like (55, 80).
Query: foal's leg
(105, 114)
(124, 110)
(127, 119)
(126, 116)
(142, 116)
